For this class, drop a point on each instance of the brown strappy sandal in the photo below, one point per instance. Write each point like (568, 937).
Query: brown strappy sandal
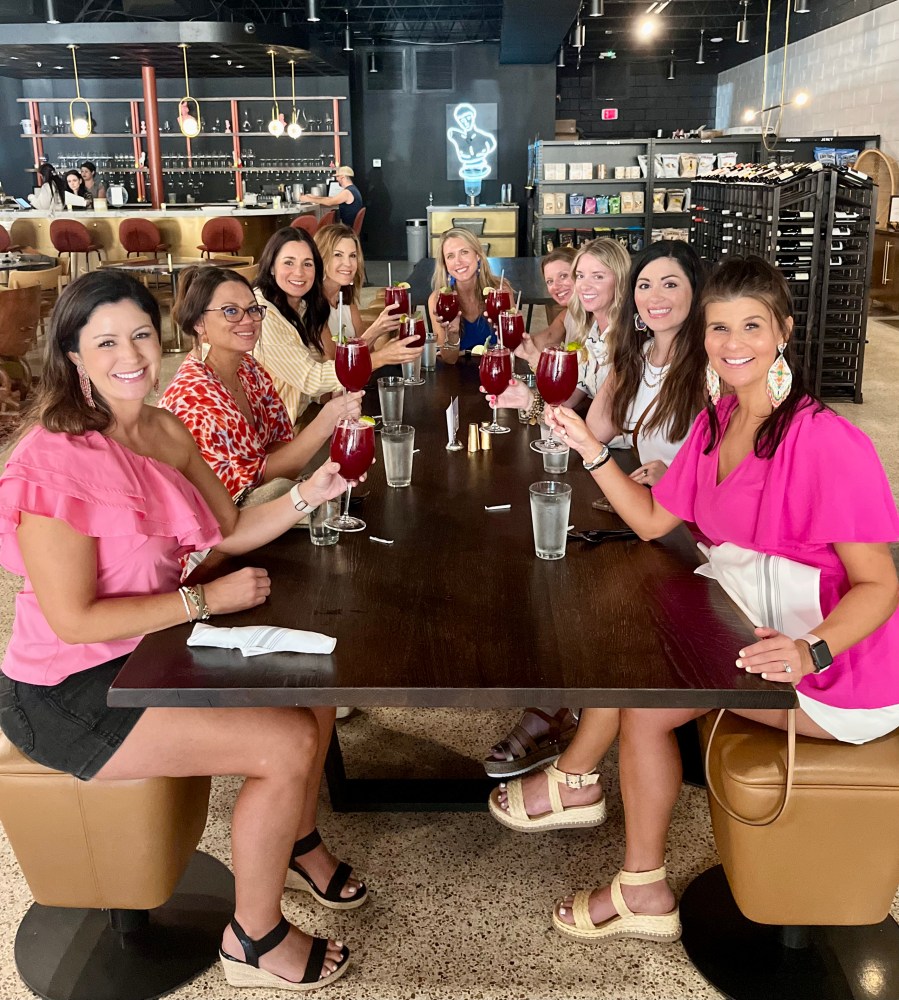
(523, 752)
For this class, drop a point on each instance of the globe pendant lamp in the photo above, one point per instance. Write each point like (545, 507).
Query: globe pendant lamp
(275, 126)
(189, 121)
(294, 129)
(81, 120)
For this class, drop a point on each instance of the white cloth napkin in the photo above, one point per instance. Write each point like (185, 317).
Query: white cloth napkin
(252, 640)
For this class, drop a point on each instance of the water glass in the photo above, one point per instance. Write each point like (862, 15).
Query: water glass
(429, 355)
(550, 506)
(412, 372)
(390, 393)
(319, 532)
(397, 441)
(556, 462)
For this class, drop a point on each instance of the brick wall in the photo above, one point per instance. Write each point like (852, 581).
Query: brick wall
(645, 98)
(851, 72)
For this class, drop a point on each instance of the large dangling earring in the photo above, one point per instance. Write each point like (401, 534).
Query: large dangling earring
(639, 325)
(780, 378)
(712, 384)
(85, 384)
(478, 270)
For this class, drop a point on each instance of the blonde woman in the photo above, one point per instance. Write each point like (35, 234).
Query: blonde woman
(462, 265)
(556, 267)
(344, 268)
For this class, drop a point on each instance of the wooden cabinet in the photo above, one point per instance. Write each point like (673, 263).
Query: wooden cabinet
(885, 270)
(498, 225)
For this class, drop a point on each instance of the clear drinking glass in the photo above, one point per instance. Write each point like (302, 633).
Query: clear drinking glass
(391, 390)
(398, 442)
(320, 532)
(556, 462)
(550, 506)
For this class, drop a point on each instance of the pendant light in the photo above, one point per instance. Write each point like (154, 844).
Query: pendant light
(743, 26)
(372, 63)
(801, 7)
(560, 62)
(671, 66)
(597, 8)
(189, 124)
(312, 10)
(294, 129)
(81, 120)
(700, 59)
(347, 35)
(52, 17)
(275, 126)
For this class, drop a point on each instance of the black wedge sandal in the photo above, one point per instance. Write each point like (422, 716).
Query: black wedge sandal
(298, 879)
(248, 973)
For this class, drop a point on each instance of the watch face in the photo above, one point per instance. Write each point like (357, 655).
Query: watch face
(821, 655)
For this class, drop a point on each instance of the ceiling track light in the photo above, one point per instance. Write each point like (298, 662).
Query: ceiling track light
(188, 122)
(294, 129)
(372, 63)
(700, 59)
(347, 35)
(312, 10)
(671, 66)
(276, 125)
(801, 7)
(743, 26)
(560, 62)
(51, 17)
(81, 124)
(597, 8)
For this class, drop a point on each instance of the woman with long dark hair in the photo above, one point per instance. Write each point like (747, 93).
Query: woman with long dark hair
(51, 195)
(100, 499)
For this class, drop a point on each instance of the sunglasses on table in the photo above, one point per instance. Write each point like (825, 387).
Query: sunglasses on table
(234, 314)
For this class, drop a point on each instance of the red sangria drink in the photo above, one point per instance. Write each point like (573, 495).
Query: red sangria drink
(398, 295)
(420, 330)
(557, 372)
(353, 448)
(352, 364)
(447, 307)
(496, 373)
(511, 328)
(498, 300)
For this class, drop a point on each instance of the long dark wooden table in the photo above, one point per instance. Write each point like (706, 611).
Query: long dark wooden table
(459, 611)
(524, 274)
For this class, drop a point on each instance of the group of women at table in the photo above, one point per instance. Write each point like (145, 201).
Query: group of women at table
(104, 496)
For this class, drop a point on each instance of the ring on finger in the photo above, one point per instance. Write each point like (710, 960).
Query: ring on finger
(787, 668)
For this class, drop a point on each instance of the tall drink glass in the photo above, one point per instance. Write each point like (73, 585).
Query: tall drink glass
(498, 300)
(550, 506)
(556, 381)
(511, 328)
(496, 373)
(352, 364)
(447, 307)
(398, 295)
(353, 448)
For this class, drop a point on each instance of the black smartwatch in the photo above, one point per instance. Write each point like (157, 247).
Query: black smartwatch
(821, 654)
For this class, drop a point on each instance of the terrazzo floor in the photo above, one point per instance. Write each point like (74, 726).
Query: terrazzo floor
(460, 907)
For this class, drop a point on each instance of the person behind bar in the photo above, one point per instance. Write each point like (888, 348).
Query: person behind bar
(348, 201)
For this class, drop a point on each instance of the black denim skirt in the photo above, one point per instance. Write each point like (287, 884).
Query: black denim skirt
(67, 726)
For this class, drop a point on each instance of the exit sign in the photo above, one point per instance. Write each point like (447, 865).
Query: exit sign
(609, 114)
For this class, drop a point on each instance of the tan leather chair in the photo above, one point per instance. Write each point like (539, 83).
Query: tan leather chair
(126, 847)
(798, 908)
(20, 316)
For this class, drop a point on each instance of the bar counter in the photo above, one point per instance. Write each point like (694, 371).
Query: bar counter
(180, 226)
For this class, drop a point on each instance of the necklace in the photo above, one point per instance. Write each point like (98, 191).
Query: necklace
(663, 371)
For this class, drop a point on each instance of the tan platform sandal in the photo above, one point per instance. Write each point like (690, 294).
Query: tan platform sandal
(561, 817)
(627, 924)
(248, 973)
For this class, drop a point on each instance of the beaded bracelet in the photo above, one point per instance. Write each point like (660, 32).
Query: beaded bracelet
(535, 410)
(198, 600)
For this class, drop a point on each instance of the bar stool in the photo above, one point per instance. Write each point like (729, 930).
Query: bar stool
(124, 908)
(328, 219)
(308, 223)
(357, 222)
(6, 243)
(71, 237)
(799, 909)
(140, 237)
(221, 235)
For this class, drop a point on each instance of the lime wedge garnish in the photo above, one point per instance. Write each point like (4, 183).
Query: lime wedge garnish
(446, 290)
(367, 420)
(479, 349)
(574, 346)
(402, 284)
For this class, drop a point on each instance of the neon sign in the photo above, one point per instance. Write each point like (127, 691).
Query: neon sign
(473, 146)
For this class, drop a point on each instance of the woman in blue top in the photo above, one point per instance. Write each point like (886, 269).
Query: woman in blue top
(462, 266)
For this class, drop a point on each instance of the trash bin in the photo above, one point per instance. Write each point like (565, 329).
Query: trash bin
(416, 239)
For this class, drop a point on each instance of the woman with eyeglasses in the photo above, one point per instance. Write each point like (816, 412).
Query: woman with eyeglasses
(227, 400)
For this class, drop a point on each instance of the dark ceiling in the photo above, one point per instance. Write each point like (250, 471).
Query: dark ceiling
(529, 31)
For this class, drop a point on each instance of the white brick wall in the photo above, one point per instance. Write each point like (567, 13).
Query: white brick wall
(851, 72)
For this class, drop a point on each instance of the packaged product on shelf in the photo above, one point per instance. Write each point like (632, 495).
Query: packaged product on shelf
(706, 164)
(670, 164)
(614, 204)
(675, 200)
(643, 160)
(622, 236)
(846, 157)
(656, 236)
(658, 199)
(549, 203)
(576, 204)
(627, 202)
(689, 163)
(550, 240)
(658, 165)
(586, 172)
(619, 173)
(566, 237)
(635, 241)
(727, 160)
(582, 236)
(561, 203)
(590, 205)
(601, 231)
(826, 155)
(601, 171)
(602, 204)
(639, 201)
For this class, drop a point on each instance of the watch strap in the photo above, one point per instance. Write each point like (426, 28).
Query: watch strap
(815, 643)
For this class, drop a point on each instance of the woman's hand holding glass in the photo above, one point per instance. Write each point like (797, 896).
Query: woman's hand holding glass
(324, 484)
(573, 431)
(397, 352)
(517, 397)
(387, 322)
(528, 351)
(340, 405)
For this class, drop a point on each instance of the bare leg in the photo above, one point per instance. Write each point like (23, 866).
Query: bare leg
(596, 732)
(274, 749)
(319, 864)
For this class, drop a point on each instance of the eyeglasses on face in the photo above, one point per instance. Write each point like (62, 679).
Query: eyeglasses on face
(234, 314)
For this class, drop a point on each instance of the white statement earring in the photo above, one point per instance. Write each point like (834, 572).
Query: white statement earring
(712, 384)
(780, 378)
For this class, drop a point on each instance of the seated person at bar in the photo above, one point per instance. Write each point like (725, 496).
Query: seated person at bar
(751, 477)
(227, 400)
(344, 270)
(291, 348)
(348, 201)
(75, 184)
(92, 184)
(462, 265)
(51, 194)
(99, 500)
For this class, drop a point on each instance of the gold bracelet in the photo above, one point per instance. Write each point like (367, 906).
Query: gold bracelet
(187, 610)
(536, 408)
(195, 595)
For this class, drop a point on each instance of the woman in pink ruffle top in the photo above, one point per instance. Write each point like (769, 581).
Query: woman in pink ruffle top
(99, 501)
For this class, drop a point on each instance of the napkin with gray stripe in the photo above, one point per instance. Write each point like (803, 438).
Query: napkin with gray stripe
(254, 640)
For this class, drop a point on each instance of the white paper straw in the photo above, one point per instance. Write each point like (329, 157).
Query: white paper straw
(389, 274)
(340, 316)
(499, 506)
(502, 276)
(518, 303)
(382, 541)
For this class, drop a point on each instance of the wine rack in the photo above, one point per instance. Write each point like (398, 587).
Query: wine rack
(816, 225)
